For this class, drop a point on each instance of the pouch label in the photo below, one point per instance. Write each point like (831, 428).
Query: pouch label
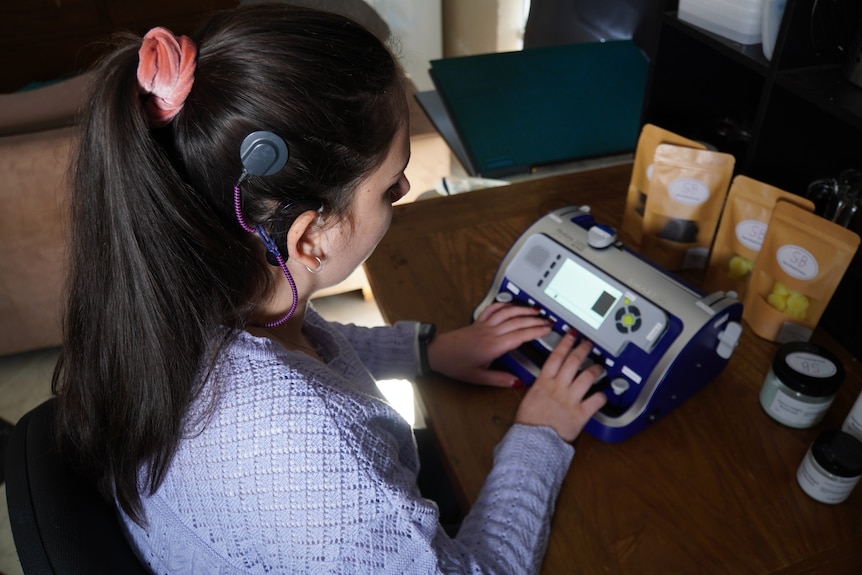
(688, 191)
(750, 233)
(797, 262)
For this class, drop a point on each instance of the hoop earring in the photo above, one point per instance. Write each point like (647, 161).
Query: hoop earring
(319, 267)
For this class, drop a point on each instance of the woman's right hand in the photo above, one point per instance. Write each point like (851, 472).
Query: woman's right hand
(556, 398)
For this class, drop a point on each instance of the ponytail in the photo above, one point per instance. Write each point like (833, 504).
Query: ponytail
(144, 302)
(161, 273)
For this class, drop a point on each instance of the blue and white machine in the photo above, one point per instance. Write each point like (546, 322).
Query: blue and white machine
(658, 339)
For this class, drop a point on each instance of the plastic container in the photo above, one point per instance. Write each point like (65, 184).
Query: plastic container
(801, 384)
(853, 421)
(737, 20)
(832, 467)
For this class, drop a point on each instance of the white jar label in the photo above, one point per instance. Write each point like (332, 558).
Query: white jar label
(797, 262)
(688, 191)
(811, 364)
(823, 486)
(853, 421)
(750, 233)
(853, 426)
(794, 412)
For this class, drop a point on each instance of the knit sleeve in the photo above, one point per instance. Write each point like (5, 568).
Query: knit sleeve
(295, 469)
(508, 527)
(388, 352)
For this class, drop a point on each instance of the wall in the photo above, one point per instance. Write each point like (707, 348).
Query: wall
(483, 26)
(417, 27)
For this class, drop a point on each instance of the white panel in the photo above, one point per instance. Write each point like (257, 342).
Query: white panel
(418, 31)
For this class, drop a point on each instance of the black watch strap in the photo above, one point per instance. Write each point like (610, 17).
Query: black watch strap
(425, 335)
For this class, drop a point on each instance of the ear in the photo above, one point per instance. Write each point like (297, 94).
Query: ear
(304, 239)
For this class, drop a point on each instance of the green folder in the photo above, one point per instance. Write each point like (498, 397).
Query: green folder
(515, 111)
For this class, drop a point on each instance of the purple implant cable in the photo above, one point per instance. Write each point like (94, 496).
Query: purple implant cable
(273, 249)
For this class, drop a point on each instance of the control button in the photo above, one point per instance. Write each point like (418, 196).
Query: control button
(656, 331)
(631, 374)
(584, 218)
(619, 385)
(601, 236)
(728, 338)
(628, 319)
(550, 341)
(504, 297)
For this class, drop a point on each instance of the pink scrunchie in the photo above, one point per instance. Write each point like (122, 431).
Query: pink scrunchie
(166, 69)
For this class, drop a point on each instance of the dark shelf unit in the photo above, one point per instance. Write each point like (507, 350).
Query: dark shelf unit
(787, 121)
(42, 41)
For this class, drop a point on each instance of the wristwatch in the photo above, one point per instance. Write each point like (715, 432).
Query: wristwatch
(425, 335)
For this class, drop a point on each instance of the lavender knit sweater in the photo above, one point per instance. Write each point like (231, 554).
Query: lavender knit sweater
(304, 468)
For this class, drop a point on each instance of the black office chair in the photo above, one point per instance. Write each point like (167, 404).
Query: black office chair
(60, 524)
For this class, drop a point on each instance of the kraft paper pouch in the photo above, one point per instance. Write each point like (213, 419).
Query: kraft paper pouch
(740, 233)
(650, 137)
(686, 194)
(798, 269)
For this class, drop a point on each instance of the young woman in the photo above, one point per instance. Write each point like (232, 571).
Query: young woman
(219, 182)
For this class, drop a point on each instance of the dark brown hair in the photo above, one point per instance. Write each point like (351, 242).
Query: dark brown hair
(161, 272)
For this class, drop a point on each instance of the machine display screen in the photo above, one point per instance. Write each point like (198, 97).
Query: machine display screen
(581, 292)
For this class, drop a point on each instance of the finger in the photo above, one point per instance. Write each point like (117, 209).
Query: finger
(489, 311)
(498, 313)
(594, 403)
(518, 324)
(495, 378)
(559, 354)
(585, 380)
(581, 353)
(574, 362)
(511, 341)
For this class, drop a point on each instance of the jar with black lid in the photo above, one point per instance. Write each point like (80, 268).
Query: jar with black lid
(831, 467)
(801, 384)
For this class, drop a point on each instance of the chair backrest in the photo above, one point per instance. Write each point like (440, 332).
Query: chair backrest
(60, 523)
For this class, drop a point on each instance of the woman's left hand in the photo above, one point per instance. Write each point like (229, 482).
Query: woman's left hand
(466, 353)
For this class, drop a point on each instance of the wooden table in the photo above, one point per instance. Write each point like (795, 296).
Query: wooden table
(711, 488)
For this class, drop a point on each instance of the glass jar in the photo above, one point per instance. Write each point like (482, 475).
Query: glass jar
(831, 467)
(801, 384)
(853, 421)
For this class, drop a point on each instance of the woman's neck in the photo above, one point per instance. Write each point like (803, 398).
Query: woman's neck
(289, 335)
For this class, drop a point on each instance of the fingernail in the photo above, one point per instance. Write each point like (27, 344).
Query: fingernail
(517, 384)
